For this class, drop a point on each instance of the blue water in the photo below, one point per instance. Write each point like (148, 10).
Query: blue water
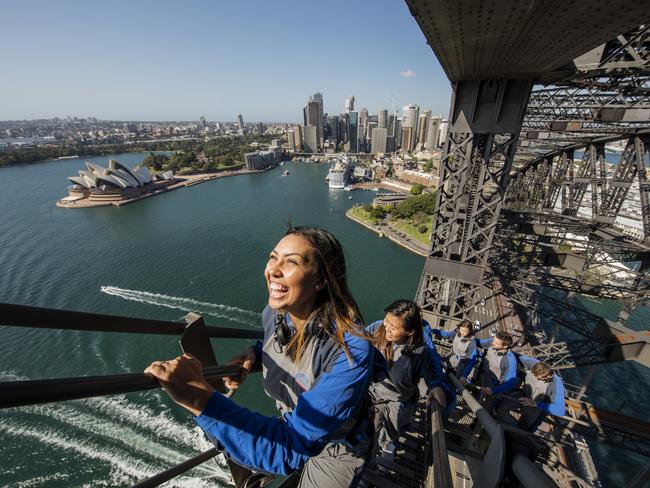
(201, 248)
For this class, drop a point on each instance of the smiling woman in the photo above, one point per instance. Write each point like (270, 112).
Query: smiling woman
(316, 363)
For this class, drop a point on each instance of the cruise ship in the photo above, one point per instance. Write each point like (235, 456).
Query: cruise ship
(340, 173)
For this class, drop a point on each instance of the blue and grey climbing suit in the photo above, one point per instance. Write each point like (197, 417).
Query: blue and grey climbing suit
(323, 427)
(548, 396)
(464, 351)
(395, 397)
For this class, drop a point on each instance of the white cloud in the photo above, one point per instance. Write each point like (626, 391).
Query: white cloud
(407, 74)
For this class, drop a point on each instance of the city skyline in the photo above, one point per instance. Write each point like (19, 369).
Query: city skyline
(164, 62)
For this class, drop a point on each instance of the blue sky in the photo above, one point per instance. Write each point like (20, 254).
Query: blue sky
(163, 60)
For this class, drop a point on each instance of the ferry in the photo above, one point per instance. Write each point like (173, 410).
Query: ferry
(285, 172)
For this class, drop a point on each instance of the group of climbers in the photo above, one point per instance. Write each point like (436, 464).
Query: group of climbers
(344, 392)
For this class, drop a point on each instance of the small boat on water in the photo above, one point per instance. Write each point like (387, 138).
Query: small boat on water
(285, 172)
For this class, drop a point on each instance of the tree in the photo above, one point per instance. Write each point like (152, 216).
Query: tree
(416, 189)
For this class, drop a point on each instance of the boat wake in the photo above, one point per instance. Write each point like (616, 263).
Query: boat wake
(219, 310)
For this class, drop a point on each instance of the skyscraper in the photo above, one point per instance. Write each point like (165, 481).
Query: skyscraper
(353, 131)
(407, 138)
(349, 104)
(311, 116)
(241, 123)
(433, 133)
(379, 138)
(410, 119)
(333, 127)
(318, 98)
(311, 139)
(382, 119)
(423, 125)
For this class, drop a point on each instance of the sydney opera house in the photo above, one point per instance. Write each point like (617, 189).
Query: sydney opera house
(116, 183)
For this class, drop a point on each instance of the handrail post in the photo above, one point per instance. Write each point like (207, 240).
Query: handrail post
(437, 457)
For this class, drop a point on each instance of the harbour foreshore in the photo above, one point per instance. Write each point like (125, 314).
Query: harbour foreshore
(390, 233)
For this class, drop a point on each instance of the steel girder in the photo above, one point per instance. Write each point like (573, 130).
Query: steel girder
(485, 121)
(531, 182)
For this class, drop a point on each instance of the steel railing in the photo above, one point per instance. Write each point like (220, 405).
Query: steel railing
(32, 392)
(508, 451)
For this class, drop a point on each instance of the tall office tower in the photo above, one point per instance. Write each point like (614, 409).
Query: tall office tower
(391, 125)
(398, 132)
(363, 117)
(407, 138)
(291, 140)
(433, 133)
(371, 124)
(353, 131)
(382, 119)
(379, 139)
(311, 139)
(333, 127)
(311, 115)
(343, 127)
(297, 137)
(410, 119)
(423, 125)
(349, 104)
(241, 122)
(444, 125)
(204, 123)
(318, 98)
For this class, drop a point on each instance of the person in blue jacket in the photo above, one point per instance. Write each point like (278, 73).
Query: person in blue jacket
(498, 370)
(399, 337)
(464, 348)
(316, 363)
(541, 394)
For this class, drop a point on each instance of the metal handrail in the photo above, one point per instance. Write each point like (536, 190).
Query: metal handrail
(505, 439)
(177, 470)
(33, 392)
(436, 454)
(51, 318)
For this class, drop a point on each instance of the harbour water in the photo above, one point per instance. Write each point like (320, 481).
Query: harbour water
(199, 249)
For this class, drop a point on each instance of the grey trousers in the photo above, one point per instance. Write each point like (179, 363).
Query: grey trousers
(337, 466)
(390, 418)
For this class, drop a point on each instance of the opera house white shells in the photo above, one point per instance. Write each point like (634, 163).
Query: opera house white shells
(115, 183)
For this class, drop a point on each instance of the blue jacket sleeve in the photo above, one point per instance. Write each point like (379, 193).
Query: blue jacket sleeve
(281, 446)
(445, 334)
(372, 328)
(436, 363)
(485, 343)
(557, 406)
(471, 361)
(509, 378)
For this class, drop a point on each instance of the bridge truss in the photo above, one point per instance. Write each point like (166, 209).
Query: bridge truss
(527, 205)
